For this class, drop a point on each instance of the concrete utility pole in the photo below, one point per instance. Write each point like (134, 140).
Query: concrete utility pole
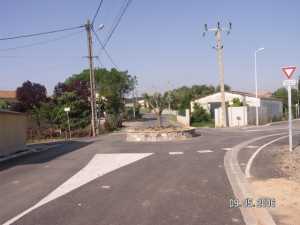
(256, 85)
(219, 47)
(88, 28)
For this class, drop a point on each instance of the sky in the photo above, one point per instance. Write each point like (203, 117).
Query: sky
(158, 41)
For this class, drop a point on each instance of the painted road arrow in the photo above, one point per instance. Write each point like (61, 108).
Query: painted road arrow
(99, 165)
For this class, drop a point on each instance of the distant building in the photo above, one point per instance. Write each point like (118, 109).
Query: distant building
(129, 101)
(270, 109)
(8, 97)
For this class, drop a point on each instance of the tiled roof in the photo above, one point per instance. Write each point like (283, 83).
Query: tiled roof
(7, 95)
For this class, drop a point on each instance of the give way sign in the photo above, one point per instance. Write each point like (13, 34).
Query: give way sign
(288, 71)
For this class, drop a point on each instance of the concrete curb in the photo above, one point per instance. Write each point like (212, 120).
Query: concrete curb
(27, 151)
(241, 187)
(269, 124)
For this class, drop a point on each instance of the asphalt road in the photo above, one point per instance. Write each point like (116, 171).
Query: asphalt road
(185, 187)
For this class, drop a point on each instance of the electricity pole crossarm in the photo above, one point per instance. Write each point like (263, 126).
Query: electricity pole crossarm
(219, 47)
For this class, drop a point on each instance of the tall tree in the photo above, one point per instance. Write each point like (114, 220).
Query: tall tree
(282, 94)
(112, 85)
(30, 95)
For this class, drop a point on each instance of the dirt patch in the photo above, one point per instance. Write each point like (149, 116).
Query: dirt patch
(288, 162)
(286, 189)
(287, 195)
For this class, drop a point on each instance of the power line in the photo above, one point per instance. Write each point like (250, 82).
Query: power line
(104, 49)
(41, 33)
(96, 14)
(101, 64)
(118, 20)
(40, 42)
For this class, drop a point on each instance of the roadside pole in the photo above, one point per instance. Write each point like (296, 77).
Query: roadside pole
(289, 83)
(219, 47)
(88, 28)
(256, 85)
(290, 118)
(67, 110)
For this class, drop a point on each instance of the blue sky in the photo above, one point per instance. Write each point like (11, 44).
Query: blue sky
(158, 41)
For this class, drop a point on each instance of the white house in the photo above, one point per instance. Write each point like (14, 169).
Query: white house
(270, 109)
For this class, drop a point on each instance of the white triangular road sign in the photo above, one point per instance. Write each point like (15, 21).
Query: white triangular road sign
(288, 71)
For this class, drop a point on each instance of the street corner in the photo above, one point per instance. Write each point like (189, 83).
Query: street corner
(276, 176)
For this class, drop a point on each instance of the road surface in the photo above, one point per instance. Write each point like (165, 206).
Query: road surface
(108, 181)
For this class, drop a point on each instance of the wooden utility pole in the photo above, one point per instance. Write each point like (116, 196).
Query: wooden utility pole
(88, 28)
(219, 47)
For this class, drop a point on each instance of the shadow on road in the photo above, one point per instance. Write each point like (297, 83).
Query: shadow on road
(45, 156)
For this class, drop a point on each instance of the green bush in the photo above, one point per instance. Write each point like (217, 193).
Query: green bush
(236, 102)
(112, 122)
(129, 115)
(200, 114)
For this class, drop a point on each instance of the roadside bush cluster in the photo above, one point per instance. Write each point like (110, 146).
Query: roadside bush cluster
(200, 114)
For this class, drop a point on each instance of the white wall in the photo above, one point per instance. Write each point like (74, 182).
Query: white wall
(184, 120)
(237, 116)
(268, 112)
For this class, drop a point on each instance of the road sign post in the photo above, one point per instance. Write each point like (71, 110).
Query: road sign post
(67, 110)
(288, 71)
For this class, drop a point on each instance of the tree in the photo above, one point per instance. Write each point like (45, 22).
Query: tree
(158, 103)
(66, 95)
(226, 88)
(30, 96)
(181, 97)
(53, 115)
(236, 102)
(3, 104)
(112, 85)
(199, 114)
(282, 94)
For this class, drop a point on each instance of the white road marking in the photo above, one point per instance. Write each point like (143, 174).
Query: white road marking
(252, 146)
(175, 153)
(280, 128)
(204, 151)
(99, 165)
(227, 149)
(105, 186)
(250, 161)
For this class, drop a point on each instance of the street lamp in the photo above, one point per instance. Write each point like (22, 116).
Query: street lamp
(67, 110)
(255, 78)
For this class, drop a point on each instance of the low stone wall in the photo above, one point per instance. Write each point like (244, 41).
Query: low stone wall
(157, 136)
(13, 128)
